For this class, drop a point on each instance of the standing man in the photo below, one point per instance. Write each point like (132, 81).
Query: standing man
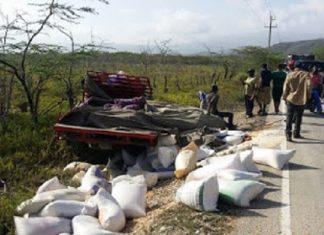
(278, 81)
(212, 103)
(263, 96)
(297, 91)
(249, 92)
(316, 81)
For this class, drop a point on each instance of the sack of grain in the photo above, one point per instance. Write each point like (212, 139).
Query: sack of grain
(247, 161)
(151, 178)
(239, 192)
(34, 205)
(272, 157)
(230, 174)
(233, 140)
(68, 209)
(200, 195)
(204, 152)
(51, 184)
(167, 140)
(77, 166)
(130, 193)
(42, 225)
(167, 155)
(185, 163)
(88, 225)
(77, 178)
(218, 163)
(186, 160)
(93, 180)
(111, 215)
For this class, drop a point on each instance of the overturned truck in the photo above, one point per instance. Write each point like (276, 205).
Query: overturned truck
(118, 112)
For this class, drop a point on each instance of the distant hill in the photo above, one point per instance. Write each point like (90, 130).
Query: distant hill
(299, 47)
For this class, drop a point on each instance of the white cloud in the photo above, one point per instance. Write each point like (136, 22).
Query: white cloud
(182, 26)
(127, 10)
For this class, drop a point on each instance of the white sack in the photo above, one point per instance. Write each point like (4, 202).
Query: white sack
(230, 174)
(34, 205)
(236, 133)
(204, 152)
(200, 195)
(151, 178)
(42, 226)
(221, 133)
(246, 158)
(70, 193)
(272, 157)
(185, 163)
(111, 215)
(77, 166)
(233, 140)
(68, 209)
(167, 140)
(239, 192)
(93, 180)
(88, 225)
(49, 185)
(247, 161)
(218, 163)
(167, 155)
(130, 193)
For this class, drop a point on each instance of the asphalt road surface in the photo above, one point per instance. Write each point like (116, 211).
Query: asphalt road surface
(294, 200)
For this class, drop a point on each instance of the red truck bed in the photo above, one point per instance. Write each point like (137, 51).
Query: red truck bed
(115, 86)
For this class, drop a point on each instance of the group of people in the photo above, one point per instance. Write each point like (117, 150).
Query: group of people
(296, 87)
(260, 89)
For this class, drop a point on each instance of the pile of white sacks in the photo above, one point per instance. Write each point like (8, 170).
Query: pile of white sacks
(101, 205)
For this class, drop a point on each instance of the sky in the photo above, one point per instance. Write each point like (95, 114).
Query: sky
(191, 25)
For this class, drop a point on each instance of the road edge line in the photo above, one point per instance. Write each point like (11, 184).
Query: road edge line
(285, 212)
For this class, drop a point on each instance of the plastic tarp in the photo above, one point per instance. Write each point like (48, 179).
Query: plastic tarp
(161, 118)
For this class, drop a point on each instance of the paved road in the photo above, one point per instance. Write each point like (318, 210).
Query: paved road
(294, 202)
(307, 179)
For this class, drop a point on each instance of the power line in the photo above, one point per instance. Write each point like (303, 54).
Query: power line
(255, 13)
(268, 5)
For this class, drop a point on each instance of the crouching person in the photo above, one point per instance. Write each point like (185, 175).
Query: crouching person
(212, 103)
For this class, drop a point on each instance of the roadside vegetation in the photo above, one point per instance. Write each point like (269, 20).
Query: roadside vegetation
(39, 82)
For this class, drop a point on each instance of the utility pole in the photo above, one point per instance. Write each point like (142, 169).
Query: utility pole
(271, 26)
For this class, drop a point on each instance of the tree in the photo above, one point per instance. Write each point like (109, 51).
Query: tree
(18, 61)
(319, 53)
(6, 80)
(146, 57)
(164, 50)
(253, 57)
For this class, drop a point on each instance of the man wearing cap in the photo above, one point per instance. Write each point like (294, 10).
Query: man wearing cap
(212, 103)
(249, 92)
(297, 91)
